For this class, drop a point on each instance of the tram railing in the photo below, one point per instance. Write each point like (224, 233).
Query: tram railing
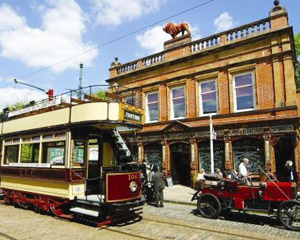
(72, 97)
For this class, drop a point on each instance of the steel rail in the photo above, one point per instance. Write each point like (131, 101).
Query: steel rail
(199, 228)
(203, 229)
(7, 236)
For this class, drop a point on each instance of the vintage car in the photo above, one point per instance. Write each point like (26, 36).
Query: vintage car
(216, 194)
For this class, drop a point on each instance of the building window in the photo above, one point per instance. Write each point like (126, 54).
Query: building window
(178, 102)
(152, 107)
(244, 92)
(208, 97)
(30, 153)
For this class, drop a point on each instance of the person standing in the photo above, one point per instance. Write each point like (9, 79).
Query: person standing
(288, 171)
(159, 185)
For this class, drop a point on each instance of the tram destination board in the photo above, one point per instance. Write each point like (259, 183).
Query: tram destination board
(132, 116)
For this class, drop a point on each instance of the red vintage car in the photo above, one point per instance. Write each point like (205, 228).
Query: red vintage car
(216, 194)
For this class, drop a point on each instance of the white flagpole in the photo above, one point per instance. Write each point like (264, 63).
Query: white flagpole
(212, 167)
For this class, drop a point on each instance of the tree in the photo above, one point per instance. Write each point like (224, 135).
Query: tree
(297, 46)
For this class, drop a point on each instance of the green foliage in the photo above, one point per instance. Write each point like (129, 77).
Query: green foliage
(297, 44)
(16, 106)
(100, 94)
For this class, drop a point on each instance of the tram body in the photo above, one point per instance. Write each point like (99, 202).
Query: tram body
(69, 160)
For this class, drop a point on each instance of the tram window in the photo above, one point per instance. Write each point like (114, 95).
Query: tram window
(47, 137)
(36, 139)
(11, 154)
(30, 153)
(60, 135)
(93, 150)
(79, 152)
(54, 153)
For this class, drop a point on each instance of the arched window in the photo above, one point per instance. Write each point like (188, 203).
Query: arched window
(250, 148)
(219, 155)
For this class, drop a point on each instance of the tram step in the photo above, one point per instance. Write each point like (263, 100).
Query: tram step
(84, 211)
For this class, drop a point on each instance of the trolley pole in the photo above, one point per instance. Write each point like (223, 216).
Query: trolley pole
(212, 136)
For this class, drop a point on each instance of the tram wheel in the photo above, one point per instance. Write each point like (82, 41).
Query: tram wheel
(209, 206)
(289, 214)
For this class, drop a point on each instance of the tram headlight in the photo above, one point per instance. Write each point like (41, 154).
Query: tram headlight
(133, 186)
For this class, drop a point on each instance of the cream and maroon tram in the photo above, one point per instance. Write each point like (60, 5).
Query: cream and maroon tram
(65, 157)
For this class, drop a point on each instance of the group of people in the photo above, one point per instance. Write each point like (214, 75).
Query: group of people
(243, 173)
(156, 177)
(287, 174)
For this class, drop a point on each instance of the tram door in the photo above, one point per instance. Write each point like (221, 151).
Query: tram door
(94, 165)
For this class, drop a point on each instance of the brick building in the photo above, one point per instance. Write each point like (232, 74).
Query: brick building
(244, 78)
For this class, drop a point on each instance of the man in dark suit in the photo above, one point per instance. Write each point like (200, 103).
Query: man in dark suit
(159, 185)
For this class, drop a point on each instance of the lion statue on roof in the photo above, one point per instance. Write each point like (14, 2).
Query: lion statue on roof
(174, 30)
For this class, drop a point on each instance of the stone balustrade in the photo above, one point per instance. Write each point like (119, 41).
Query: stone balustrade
(204, 43)
(153, 59)
(248, 30)
(220, 39)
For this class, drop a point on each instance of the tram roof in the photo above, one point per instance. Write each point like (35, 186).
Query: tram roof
(84, 106)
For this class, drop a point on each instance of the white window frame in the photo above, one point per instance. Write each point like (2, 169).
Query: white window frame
(172, 106)
(217, 98)
(253, 90)
(147, 109)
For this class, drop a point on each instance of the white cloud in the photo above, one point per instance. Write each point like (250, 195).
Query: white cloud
(13, 95)
(114, 12)
(58, 37)
(224, 22)
(153, 39)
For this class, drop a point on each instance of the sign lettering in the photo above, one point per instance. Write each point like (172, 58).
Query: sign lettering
(132, 116)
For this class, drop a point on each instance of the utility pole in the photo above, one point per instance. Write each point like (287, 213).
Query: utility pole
(80, 81)
(212, 137)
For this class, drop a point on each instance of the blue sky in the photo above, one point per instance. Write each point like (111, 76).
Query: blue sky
(35, 34)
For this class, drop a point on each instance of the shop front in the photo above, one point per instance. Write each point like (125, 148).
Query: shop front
(182, 154)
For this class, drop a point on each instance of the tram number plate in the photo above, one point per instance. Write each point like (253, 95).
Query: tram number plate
(132, 177)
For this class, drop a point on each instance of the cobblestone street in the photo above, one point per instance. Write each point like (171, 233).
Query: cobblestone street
(174, 221)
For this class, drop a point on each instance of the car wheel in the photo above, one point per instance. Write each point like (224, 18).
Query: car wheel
(209, 206)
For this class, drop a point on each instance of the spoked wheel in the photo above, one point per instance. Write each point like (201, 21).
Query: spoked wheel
(209, 206)
(289, 214)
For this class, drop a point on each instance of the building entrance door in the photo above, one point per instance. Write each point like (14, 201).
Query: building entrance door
(284, 150)
(180, 164)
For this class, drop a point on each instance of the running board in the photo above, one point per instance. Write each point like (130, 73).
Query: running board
(84, 211)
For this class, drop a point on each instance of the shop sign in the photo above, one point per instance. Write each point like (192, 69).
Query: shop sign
(246, 131)
(151, 138)
(282, 128)
(207, 133)
(179, 135)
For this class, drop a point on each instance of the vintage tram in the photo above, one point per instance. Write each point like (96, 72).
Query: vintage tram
(216, 195)
(64, 156)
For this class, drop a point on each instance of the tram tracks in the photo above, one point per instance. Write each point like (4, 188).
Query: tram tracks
(7, 236)
(182, 228)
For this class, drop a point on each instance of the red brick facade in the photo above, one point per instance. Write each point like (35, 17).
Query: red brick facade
(263, 49)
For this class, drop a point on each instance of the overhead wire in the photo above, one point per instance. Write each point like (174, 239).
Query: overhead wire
(117, 39)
